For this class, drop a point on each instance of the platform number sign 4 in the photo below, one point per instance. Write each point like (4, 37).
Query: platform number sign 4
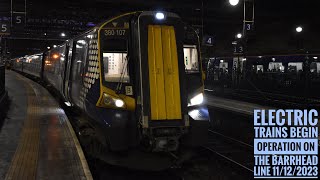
(4, 28)
(208, 40)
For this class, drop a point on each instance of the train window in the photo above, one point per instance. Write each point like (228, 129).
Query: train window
(191, 58)
(294, 66)
(115, 62)
(276, 66)
(259, 68)
(315, 67)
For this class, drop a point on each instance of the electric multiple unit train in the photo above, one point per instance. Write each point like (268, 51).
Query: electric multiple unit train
(138, 80)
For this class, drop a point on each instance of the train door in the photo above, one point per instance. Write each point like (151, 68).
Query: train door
(64, 69)
(164, 84)
(66, 81)
(80, 49)
(162, 71)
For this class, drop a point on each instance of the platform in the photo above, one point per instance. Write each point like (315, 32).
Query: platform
(241, 107)
(37, 140)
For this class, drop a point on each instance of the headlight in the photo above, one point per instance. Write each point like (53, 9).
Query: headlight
(119, 103)
(159, 15)
(112, 101)
(196, 100)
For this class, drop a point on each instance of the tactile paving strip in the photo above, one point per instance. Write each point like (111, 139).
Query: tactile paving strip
(24, 162)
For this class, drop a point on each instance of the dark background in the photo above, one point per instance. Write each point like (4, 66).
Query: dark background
(275, 23)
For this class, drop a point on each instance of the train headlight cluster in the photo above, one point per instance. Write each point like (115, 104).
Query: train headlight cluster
(196, 100)
(112, 101)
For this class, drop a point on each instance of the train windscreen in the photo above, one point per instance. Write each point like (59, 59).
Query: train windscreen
(115, 62)
(191, 58)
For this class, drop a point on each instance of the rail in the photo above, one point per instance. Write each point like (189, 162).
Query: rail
(232, 150)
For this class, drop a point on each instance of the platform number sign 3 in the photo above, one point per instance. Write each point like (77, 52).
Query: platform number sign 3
(238, 49)
(4, 28)
(249, 26)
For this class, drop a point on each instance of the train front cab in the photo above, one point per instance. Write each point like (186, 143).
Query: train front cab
(161, 101)
(165, 87)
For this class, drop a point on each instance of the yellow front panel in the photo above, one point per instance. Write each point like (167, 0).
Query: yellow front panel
(156, 77)
(164, 82)
(171, 73)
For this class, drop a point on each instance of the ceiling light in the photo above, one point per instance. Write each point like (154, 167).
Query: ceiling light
(234, 2)
(299, 29)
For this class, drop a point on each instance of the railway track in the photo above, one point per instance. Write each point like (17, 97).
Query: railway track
(232, 150)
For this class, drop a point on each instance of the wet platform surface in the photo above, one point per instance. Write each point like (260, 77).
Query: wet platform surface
(37, 140)
(242, 107)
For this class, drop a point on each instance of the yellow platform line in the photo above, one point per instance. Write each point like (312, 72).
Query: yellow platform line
(24, 164)
(25, 159)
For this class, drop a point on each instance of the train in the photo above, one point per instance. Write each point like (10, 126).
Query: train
(137, 80)
(294, 77)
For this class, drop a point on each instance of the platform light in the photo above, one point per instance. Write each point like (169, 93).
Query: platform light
(315, 57)
(55, 56)
(48, 47)
(54, 46)
(221, 61)
(63, 34)
(239, 35)
(159, 16)
(244, 59)
(273, 59)
(299, 29)
(233, 2)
